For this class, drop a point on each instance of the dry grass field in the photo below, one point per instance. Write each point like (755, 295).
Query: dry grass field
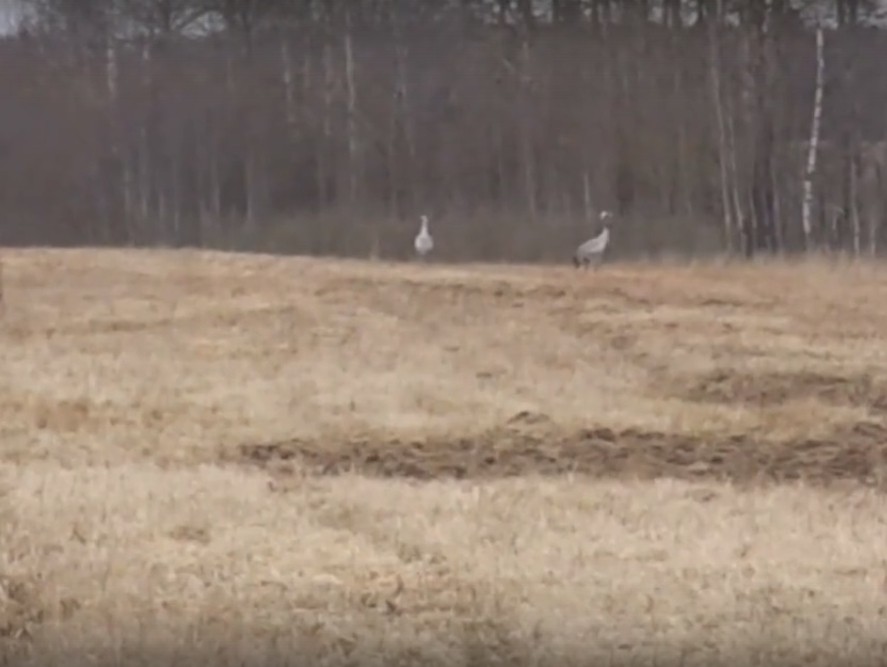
(222, 459)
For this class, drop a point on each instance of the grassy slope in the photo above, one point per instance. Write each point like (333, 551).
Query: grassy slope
(135, 383)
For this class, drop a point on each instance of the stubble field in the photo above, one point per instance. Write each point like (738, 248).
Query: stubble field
(223, 459)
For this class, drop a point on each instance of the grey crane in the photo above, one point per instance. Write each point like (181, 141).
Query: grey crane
(593, 249)
(424, 244)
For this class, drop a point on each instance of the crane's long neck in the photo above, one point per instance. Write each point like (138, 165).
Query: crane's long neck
(424, 226)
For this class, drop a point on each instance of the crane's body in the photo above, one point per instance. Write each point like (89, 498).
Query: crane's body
(424, 244)
(593, 249)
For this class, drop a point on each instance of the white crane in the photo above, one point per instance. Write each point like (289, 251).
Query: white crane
(593, 249)
(424, 244)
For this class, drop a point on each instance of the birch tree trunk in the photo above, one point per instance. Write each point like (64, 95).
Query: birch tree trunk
(210, 183)
(730, 114)
(112, 74)
(814, 139)
(682, 155)
(121, 155)
(526, 130)
(872, 181)
(853, 204)
(250, 182)
(289, 95)
(143, 150)
(325, 148)
(762, 120)
(351, 93)
(403, 123)
(746, 112)
(144, 182)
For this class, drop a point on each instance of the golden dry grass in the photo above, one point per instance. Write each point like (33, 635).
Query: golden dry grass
(244, 459)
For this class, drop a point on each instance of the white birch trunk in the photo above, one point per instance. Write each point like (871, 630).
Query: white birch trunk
(814, 138)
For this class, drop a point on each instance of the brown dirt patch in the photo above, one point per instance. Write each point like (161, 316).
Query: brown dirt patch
(21, 608)
(531, 444)
(731, 386)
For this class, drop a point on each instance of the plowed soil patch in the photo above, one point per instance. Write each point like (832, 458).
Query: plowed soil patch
(729, 386)
(856, 454)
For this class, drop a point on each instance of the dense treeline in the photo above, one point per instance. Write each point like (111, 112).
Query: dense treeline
(328, 126)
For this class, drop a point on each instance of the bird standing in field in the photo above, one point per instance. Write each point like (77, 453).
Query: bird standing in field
(593, 249)
(424, 244)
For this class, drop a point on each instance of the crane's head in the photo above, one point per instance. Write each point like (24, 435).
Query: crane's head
(605, 215)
